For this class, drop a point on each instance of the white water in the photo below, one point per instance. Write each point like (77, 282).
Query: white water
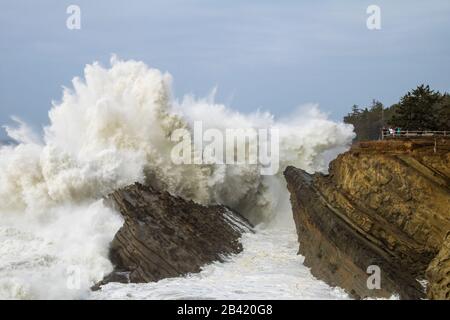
(112, 129)
(268, 268)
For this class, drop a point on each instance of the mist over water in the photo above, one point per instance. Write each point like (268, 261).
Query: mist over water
(112, 129)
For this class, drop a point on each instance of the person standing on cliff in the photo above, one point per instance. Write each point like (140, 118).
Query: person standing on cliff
(391, 131)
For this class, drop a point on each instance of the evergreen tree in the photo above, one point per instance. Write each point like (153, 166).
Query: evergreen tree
(415, 110)
(367, 122)
(442, 111)
(420, 109)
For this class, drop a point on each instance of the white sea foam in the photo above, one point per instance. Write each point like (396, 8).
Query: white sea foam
(268, 268)
(110, 130)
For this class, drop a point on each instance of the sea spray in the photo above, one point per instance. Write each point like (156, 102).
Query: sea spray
(112, 129)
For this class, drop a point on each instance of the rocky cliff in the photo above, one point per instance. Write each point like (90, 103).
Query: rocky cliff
(438, 273)
(166, 236)
(384, 204)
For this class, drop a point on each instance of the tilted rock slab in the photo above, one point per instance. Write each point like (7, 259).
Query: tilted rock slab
(438, 274)
(165, 236)
(384, 204)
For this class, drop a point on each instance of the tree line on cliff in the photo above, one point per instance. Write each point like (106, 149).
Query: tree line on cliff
(420, 109)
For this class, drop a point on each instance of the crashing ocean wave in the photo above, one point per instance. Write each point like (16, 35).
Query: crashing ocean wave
(113, 129)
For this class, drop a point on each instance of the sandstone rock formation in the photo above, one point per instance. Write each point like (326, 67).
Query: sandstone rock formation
(438, 273)
(166, 236)
(383, 203)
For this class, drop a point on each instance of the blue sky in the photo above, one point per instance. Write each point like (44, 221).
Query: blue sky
(273, 55)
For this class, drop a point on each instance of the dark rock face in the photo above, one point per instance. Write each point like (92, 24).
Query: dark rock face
(165, 236)
(383, 203)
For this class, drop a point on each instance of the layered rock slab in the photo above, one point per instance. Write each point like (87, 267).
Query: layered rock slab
(166, 236)
(438, 274)
(384, 204)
